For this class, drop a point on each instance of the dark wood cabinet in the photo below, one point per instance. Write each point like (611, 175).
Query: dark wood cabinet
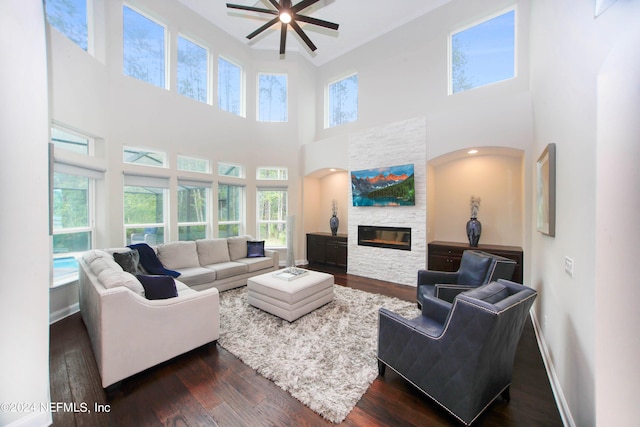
(324, 248)
(446, 256)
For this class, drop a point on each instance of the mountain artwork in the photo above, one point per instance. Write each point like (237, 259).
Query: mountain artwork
(390, 186)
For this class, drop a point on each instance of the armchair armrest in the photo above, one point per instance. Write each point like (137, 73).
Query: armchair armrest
(448, 292)
(431, 277)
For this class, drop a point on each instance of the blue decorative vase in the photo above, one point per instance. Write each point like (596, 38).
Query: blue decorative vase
(474, 229)
(334, 222)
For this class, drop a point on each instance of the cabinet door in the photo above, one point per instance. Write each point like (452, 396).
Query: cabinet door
(315, 249)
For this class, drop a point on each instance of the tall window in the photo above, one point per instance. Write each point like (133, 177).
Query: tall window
(72, 221)
(193, 61)
(230, 210)
(145, 205)
(483, 53)
(192, 210)
(272, 216)
(70, 18)
(230, 87)
(342, 101)
(144, 48)
(272, 97)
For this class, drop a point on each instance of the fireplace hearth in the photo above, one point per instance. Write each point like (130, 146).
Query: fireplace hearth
(385, 237)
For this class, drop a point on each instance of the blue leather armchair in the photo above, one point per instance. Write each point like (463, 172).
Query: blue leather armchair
(476, 268)
(460, 355)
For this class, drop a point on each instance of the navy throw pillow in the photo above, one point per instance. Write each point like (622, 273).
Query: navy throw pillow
(158, 287)
(255, 249)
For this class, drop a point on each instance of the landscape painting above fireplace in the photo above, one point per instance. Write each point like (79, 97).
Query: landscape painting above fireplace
(390, 186)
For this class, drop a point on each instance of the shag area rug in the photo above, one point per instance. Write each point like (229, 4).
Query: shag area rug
(325, 359)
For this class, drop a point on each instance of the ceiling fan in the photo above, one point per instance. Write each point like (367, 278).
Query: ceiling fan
(287, 14)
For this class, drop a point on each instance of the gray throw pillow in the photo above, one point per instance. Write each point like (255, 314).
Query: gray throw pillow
(130, 262)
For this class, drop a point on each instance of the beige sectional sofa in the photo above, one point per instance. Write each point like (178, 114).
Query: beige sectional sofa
(130, 333)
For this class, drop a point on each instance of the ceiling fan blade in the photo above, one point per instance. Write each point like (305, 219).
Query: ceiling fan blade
(303, 36)
(314, 21)
(303, 5)
(251, 8)
(283, 38)
(264, 27)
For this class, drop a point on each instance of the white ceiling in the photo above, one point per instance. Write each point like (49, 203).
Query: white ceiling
(360, 21)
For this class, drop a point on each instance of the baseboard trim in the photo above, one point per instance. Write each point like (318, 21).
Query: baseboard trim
(556, 388)
(63, 312)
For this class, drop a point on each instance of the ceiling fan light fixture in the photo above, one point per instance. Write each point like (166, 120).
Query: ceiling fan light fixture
(285, 17)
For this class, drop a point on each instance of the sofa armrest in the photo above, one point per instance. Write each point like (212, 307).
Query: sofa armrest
(275, 255)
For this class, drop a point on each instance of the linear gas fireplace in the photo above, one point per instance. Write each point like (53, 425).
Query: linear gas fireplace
(385, 237)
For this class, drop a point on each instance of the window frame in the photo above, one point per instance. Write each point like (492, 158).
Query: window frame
(476, 23)
(166, 58)
(241, 90)
(241, 170)
(159, 183)
(188, 157)
(165, 160)
(277, 169)
(258, 97)
(208, 96)
(328, 107)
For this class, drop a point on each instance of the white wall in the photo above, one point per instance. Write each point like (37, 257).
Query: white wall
(24, 251)
(588, 321)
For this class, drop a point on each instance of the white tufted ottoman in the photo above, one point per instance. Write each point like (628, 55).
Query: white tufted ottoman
(290, 300)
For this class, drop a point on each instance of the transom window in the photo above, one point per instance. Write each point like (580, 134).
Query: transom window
(272, 216)
(144, 48)
(70, 18)
(230, 92)
(71, 141)
(272, 173)
(230, 169)
(342, 101)
(230, 210)
(193, 68)
(143, 156)
(272, 97)
(483, 54)
(193, 164)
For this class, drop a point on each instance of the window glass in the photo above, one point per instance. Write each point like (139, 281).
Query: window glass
(141, 156)
(70, 18)
(144, 209)
(193, 164)
(272, 173)
(343, 101)
(229, 87)
(144, 48)
(272, 216)
(72, 223)
(483, 54)
(192, 211)
(229, 169)
(70, 141)
(192, 70)
(272, 97)
(230, 210)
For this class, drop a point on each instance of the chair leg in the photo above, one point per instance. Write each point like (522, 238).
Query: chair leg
(506, 394)
(381, 368)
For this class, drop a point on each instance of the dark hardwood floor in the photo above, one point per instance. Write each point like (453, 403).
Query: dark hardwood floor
(209, 386)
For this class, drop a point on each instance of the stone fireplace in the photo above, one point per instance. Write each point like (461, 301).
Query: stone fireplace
(385, 237)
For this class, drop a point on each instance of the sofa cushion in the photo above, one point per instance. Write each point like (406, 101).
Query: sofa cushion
(129, 261)
(158, 287)
(255, 264)
(98, 265)
(255, 248)
(110, 278)
(212, 251)
(93, 254)
(228, 269)
(238, 247)
(177, 255)
(193, 276)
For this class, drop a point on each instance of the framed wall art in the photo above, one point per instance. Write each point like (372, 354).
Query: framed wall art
(546, 191)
